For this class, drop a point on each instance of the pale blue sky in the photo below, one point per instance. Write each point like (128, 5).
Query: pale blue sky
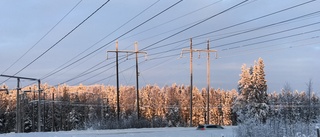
(290, 50)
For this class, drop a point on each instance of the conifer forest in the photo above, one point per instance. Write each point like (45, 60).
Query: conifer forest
(66, 107)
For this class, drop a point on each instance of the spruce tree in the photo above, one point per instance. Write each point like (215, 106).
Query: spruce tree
(258, 96)
(244, 88)
(252, 102)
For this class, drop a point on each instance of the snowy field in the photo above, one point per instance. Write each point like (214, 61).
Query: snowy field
(145, 132)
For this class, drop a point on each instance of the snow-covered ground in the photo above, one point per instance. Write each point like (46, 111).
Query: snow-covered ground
(145, 132)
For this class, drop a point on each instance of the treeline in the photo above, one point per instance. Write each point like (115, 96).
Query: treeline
(82, 107)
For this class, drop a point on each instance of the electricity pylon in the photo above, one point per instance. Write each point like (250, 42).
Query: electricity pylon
(136, 51)
(191, 75)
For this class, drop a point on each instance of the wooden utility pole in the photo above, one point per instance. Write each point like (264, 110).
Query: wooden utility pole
(208, 78)
(137, 77)
(118, 87)
(191, 77)
(44, 111)
(18, 123)
(136, 51)
(21, 112)
(53, 112)
(33, 121)
(117, 78)
(191, 82)
(208, 82)
(39, 106)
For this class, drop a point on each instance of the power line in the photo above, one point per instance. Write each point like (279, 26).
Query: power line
(118, 37)
(159, 64)
(295, 6)
(270, 34)
(271, 25)
(173, 19)
(279, 38)
(284, 37)
(124, 69)
(274, 13)
(94, 66)
(210, 17)
(271, 50)
(112, 75)
(181, 17)
(243, 53)
(262, 16)
(41, 38)
(196, 24)
(62, 38)
(170, 56)
(238, 24)
(99, 63)
(100, 72)
(84, 73)
(58, 69)
(175, 55)
(87, 72)
(178, 48)
(250, 30)
(258, 28)
(300, 40)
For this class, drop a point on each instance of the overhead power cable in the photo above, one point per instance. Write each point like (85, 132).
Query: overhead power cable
(258, 18)
(105, 70)
(238, 24)
(211, 16)
(87, 72)
(284, 37)
(173, 19)
(295, 6)
(272, 50)
(96, 50)
(58, 69)
(113, 75)
(270, 34)
(114, 39)
(269, 26)
(284, 43)
(62, 38)
(242, 53)
(82, 72)
(195, 24)
(233, 48)
(41, 38)
(254, 19)
(177, 54)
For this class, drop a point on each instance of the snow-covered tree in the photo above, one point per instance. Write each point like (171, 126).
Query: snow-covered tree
(244, 89)
(252, 101)
(257, 98)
